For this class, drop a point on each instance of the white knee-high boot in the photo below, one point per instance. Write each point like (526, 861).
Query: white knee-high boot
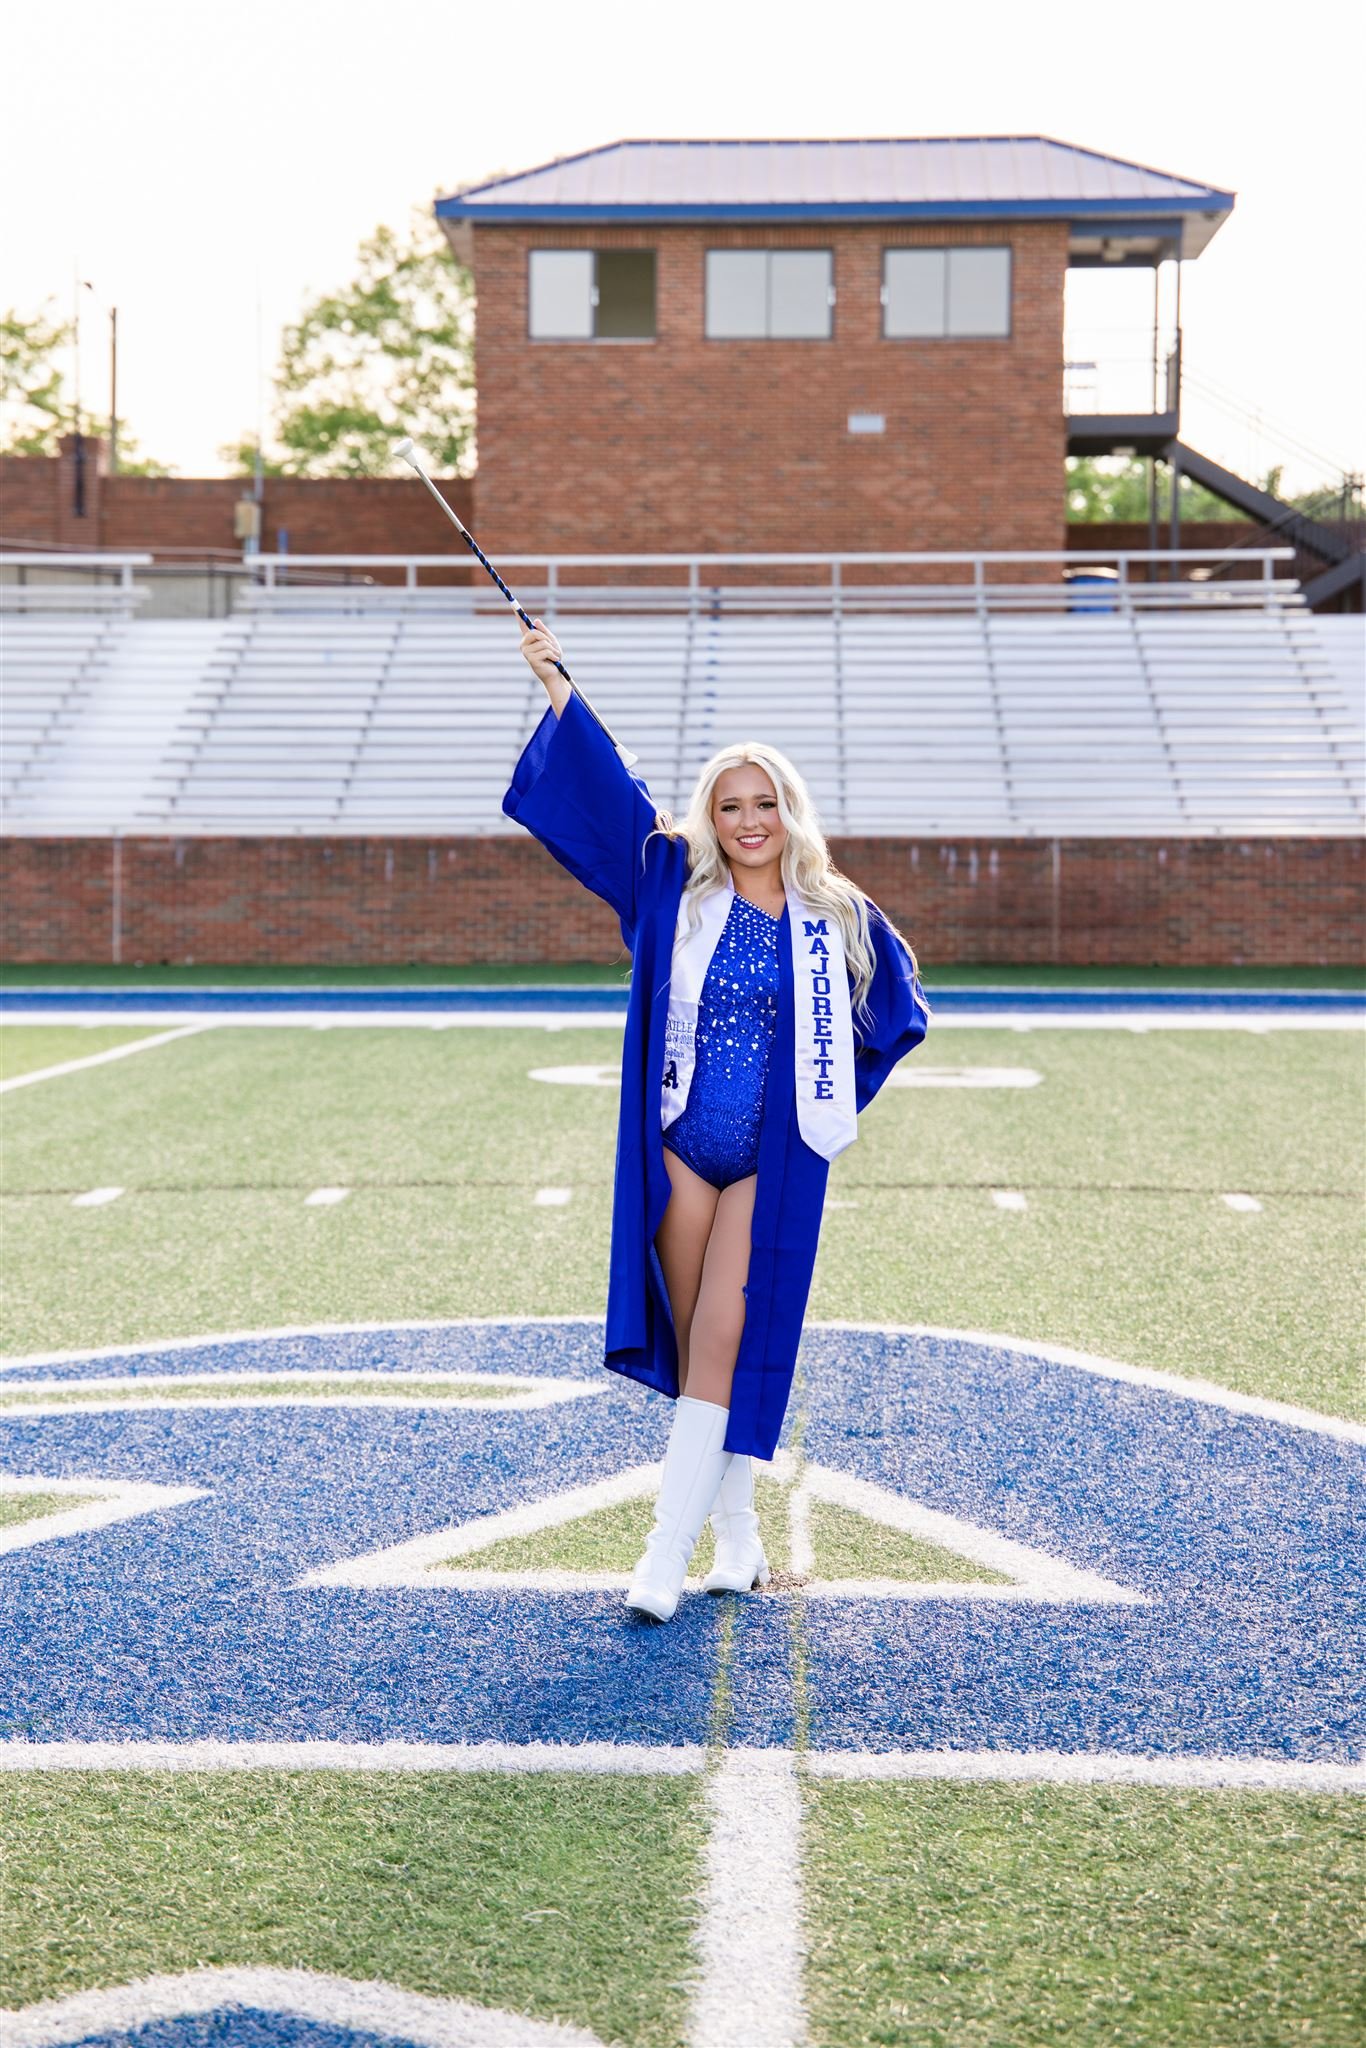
(693, 1464)
(740, 1561)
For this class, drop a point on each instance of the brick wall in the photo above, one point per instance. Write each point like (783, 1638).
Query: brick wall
(686, 444)
(322, 516)
(381, 515)
(1263, 902)
(38, 497)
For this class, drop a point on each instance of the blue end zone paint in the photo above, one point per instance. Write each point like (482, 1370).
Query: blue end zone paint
(948, 1001)
(1248, 1535)
(197, 1628)
(243, 2029)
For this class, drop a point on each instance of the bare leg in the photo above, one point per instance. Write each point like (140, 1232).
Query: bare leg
(681, 1241)
(718, 1318)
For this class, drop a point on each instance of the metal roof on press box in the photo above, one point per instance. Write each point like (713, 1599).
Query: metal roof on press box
(933, 177)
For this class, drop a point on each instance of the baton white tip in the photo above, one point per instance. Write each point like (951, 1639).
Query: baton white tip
(406, 452)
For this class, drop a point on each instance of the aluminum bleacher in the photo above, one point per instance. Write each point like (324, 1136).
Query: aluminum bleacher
(949, 702)
(57, 634)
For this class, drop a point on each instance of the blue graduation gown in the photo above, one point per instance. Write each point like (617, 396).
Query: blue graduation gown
(572, 790)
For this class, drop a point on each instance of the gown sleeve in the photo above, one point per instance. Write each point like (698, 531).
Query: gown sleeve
(899, 1014)
(572, 791)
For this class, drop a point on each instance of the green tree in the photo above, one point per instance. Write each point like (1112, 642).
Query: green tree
(389, 354)
(1115, 487)
(35, 411)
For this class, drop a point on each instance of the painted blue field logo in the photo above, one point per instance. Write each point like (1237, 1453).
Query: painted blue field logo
(298, 1535)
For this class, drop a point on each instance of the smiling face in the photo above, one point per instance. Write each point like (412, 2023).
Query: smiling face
(744, 810)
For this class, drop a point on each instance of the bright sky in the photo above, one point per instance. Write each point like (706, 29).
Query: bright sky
(194, 162)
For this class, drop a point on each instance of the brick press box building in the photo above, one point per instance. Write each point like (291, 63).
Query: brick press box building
(799, 346)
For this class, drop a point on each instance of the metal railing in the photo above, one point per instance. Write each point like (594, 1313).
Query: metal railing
(175, 583)
(982, 582)
(1118, 371)
(37, 580)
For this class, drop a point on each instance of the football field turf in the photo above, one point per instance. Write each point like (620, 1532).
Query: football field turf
(324, 1711)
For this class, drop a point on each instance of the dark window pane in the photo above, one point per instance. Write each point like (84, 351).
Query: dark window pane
(626, 293)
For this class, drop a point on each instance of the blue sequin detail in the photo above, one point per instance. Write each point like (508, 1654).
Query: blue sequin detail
(717, 1134)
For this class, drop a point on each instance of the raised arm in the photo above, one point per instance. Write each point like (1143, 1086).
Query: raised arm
(573, 791)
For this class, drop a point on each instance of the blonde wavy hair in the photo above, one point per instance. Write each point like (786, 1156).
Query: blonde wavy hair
(806, 864)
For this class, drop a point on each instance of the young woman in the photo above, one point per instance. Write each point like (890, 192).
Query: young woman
(770, 998)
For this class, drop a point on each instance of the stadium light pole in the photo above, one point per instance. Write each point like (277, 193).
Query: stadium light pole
(84, 285)
(113, 391)
(78, 452)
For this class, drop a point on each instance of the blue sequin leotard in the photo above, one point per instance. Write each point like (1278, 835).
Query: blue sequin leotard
(717, 1134)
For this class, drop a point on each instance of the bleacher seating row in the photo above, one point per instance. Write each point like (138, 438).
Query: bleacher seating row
(292, 717)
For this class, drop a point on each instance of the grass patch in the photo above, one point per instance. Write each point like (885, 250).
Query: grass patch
(562, 1897)
(1185, 1111)
(851, 1546)
(1159, 1280)
(1124, 1151)
(278, 1386)
(944, 1916)
(29, 1048)
(17, 1508)
(611, 1539)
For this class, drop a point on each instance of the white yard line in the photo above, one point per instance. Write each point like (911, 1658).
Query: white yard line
(115, 1501)
(411, 1563)
(609, 1758)
(1008, 1198)
(1247, 1205)
(1034, 1574)
(1081, 1767)
(325, 1198)
(330, 1020)
(615, 1020)
(95, 1198)
(750, 1936)
(998, 1766)
(98, 1059)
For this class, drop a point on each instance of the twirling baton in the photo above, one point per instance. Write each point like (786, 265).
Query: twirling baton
(407, 452)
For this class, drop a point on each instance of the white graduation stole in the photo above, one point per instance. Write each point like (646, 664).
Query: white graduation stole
(823, 1049)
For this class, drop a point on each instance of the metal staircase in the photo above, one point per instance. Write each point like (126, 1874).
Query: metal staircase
(1344, 563)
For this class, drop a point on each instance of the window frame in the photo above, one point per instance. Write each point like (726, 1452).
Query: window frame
(949, 334)
(589, 340)
(766, 250)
